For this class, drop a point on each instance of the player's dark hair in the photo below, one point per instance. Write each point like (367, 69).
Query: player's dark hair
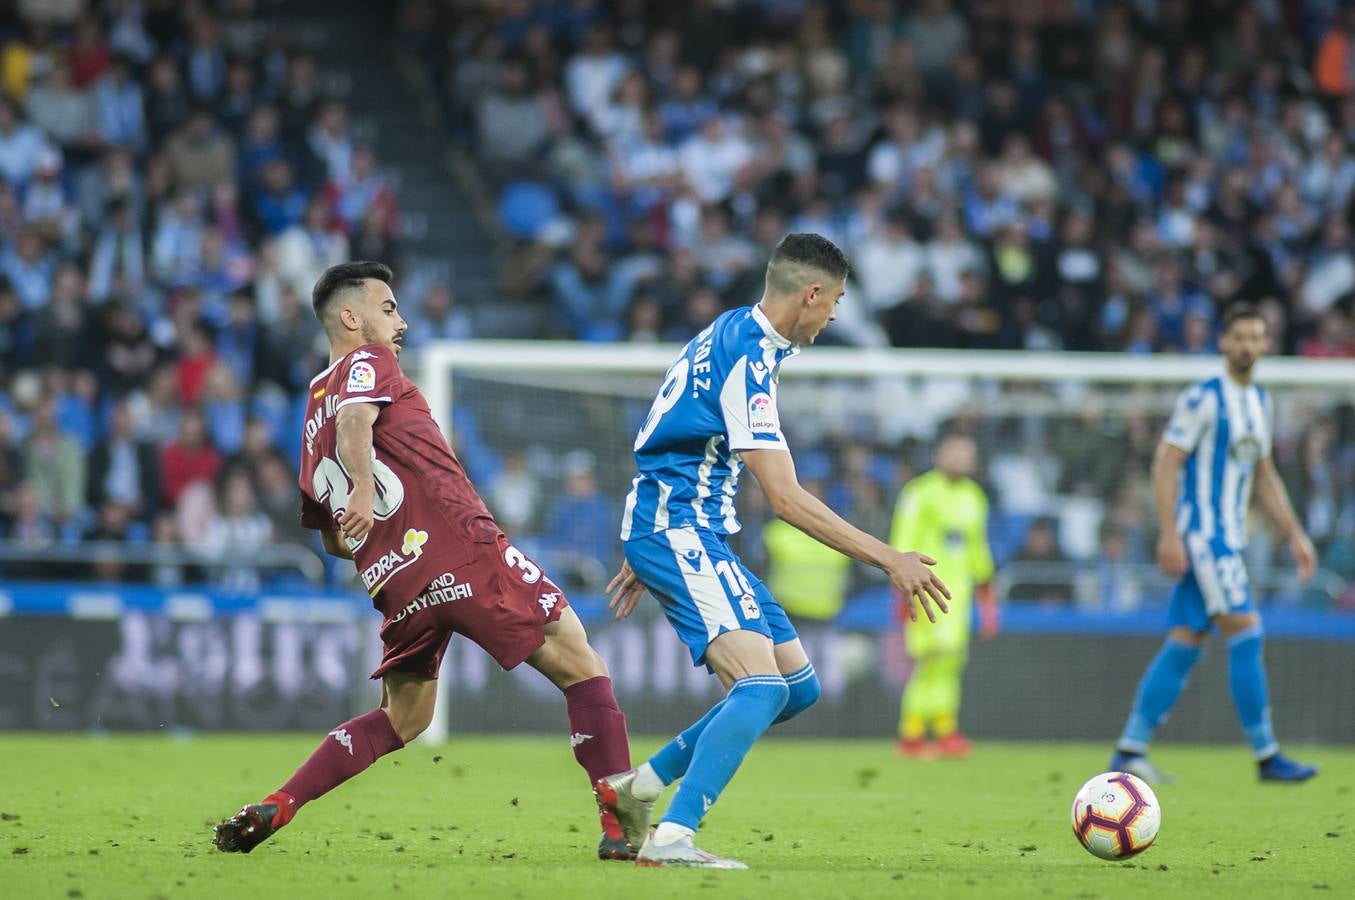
(798, 257)
(345, 276)
(1239, 311)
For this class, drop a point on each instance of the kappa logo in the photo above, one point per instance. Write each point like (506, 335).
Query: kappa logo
(578, 738)
(706, 804)
(361, 355)
(759, 371)
(343, 737)
(548, 602)
(361, 378)
(693, 558)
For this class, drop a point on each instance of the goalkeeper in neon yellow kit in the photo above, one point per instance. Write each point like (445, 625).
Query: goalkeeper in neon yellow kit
(944, 514)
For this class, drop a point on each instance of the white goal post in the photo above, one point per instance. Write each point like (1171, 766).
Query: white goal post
(893, 380)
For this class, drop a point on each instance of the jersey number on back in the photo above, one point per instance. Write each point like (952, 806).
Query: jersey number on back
(674, 383)
(332, 487)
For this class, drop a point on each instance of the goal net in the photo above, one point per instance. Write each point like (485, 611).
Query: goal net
(1065, 443)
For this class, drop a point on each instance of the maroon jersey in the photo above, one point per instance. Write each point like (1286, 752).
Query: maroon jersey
(427, 516)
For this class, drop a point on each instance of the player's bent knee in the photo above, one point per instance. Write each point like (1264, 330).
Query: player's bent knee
(755, 702)
(409, 721)
(1188, 636)
(411, 726)
(1235, 623)
(801, 695)
(566, 660)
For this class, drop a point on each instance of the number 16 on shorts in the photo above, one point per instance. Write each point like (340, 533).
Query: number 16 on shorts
(740, 591)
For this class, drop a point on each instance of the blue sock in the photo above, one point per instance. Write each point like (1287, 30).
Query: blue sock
(1247, 679)
(1158, 690)
(747, 712)
(804, 692)
(671, 761)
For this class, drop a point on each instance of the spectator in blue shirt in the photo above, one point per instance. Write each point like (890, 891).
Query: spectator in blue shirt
(584, 520)
(280, 204)
(120, 105)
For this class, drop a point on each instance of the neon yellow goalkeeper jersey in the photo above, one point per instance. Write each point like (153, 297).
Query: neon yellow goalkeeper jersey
(947, 520)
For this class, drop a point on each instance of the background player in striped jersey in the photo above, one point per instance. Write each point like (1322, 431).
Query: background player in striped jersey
(1216, 445)
(714, 414)
(384, 489)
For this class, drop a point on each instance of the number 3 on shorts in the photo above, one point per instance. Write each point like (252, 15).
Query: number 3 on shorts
(518, 560)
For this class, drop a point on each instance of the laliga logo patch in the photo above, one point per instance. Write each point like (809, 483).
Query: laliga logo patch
(414, 541)
(361, 378)
(761, 413)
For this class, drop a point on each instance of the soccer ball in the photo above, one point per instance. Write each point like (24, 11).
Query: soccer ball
(1116, 816)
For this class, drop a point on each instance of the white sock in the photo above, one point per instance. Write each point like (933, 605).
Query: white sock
(647, 784)
(668, 832)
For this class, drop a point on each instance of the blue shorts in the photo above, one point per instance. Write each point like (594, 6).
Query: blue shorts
(1216, 584)
(705, 589)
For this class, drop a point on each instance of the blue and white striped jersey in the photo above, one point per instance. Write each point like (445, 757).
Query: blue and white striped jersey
(717, 399)
(1226, 429)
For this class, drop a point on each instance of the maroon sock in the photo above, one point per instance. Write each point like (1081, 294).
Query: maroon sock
(597, 729)
(345, 752)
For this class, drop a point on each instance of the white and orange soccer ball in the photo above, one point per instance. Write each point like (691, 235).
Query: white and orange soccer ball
(1116, 815)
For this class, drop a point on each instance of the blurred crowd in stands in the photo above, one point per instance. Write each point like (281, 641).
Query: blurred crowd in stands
(173, 178)
(1070, 174)
(1078, 174)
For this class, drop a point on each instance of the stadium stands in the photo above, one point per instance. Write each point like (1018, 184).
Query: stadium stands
(1091, 176)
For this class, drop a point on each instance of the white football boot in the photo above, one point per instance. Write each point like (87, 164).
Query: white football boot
(682, 852)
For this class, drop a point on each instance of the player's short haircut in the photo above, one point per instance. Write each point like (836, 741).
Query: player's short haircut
(1240, 311)
(345, 277)
(801, 259)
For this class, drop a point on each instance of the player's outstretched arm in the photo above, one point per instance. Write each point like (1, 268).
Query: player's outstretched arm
(1171, 550)
(354, 442)
(1270, 491)
(334, 544)
(910, 572)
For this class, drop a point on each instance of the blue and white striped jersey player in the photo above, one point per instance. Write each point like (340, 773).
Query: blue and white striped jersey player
(714, 415)
(1215, 448)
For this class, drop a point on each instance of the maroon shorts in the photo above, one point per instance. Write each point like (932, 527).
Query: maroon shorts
(500, 599)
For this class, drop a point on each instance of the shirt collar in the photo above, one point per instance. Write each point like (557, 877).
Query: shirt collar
(766, 325)
(1227, 379)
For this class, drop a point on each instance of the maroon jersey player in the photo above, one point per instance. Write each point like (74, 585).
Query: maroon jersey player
(384, 489)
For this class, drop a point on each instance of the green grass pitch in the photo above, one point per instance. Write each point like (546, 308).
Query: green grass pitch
(497, 817)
